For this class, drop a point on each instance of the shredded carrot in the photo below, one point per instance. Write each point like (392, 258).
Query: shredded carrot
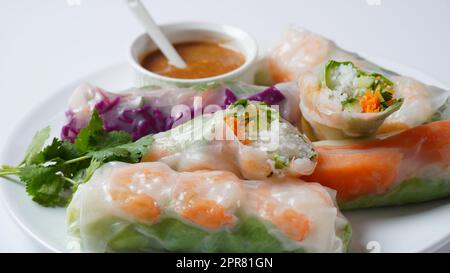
(370, 102)
(233, 123)
(389, 103)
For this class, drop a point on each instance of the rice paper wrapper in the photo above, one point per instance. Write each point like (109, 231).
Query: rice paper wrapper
(422, 104)
(294, 217)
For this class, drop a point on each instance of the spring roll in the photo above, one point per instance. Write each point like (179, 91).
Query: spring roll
(302, 52)
(409, 167)
(248, 138)
(148, 207)
(152, 109)
(345, 102)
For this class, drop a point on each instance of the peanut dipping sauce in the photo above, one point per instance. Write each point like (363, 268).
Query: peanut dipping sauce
(203, 60)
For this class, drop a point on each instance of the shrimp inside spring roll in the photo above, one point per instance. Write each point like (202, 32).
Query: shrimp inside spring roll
(150, 207)
(248, 138)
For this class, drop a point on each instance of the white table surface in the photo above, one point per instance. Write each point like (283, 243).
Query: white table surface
(47, 44)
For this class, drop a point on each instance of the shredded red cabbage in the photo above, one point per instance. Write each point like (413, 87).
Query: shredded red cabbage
(271, 96)
(70, 130)
(230, 98)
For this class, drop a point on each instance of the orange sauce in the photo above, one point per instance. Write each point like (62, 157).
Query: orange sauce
(203, 60)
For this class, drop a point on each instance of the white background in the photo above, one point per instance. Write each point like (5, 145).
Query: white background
(46, 44)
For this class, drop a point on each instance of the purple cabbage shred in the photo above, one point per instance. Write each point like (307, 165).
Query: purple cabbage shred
(271, 96)
(146, 120)
(230, 98)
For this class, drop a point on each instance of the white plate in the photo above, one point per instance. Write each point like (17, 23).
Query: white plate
(415, 228)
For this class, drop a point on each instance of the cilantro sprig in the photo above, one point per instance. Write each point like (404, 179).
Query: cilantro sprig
(51, 174)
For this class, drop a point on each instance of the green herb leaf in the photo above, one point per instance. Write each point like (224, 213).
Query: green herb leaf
(36, 145)
(84, 138)
(127, 152)
(241, 102)
(89, 172)
(280, 161)
(94, 138)
(58, 149)
(46, 185)
(382, 80)
(52, 174)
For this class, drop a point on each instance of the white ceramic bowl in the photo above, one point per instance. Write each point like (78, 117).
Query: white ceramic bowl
(228, 36)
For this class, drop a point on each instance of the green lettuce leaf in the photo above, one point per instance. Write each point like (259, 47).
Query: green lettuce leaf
(414, 190)
(174, 234)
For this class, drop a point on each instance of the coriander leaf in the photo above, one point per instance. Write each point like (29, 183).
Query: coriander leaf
(89, 172)
(93, 137)
(129, 152)
(46, 185)
(95, 126)
(58, 149)
(140, 147)
(36, 145)
(51, 175)
(84, 175)
(105, 140)
(111, 154)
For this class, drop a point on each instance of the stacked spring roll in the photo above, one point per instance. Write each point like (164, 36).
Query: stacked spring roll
(153, 109)
(150, 207)
(409, 167)
(307, 57)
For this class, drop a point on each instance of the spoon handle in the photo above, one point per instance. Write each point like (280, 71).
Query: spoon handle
(146, 20)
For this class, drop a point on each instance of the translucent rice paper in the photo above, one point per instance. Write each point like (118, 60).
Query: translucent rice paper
(149, 110)
(422, 103)
(325, 117)
(408, 167)
(302, 52)
(148, 207)
(208, 142)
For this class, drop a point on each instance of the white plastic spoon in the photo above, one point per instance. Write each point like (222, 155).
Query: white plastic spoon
(146, 20)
